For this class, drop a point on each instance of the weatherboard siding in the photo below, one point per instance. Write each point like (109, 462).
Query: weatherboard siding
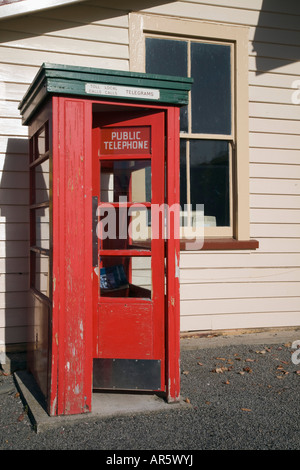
(219, 290)
(223, 290)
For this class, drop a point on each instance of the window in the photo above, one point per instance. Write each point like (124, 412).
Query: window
(206, 127)
(214, 126)
(40, 212)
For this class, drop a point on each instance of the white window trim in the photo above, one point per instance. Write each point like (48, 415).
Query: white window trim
(141, 25)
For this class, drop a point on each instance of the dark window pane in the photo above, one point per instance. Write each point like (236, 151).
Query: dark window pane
(184, 119)
(211, 90)
(183, 188)
(209, 170)
(168, 57)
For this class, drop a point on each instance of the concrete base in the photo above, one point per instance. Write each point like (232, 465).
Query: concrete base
(104, 404)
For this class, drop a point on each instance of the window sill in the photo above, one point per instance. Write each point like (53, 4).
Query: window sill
(220, 244)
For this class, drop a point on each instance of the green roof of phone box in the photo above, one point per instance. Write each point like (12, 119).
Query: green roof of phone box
(89, 82)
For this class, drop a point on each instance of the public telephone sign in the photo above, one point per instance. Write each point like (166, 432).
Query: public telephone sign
(125, 140)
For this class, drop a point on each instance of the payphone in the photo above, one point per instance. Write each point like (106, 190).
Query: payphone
(110, 318)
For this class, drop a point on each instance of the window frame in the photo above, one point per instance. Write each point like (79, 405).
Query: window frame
(147, 25)
(188, 136)
(36, 159)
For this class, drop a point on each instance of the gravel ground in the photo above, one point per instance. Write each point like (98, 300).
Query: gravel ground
(242, 396)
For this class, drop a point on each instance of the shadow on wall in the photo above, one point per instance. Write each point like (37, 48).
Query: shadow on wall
(14, 213)
(68, 17)
(274, 34)
(15, 222)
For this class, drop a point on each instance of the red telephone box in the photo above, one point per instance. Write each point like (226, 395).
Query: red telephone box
(109, 318)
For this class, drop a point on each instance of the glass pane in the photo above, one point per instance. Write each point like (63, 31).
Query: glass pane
(140, 225)
(210, 180)
(211, 90)
(39, 143)
(42, 223)
(124, 228)
(127, 179)
(126, 277)
(168, 57)
(41, 173)
(31, 149)
(41, 272)
(183, 182)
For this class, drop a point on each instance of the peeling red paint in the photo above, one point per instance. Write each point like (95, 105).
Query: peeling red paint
(78, 331)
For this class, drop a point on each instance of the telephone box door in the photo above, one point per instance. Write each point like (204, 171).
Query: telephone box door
(129, 263)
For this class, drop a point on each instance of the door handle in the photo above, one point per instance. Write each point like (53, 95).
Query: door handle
(94, 230)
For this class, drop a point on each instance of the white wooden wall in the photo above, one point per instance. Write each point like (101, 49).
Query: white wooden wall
(219, 290)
